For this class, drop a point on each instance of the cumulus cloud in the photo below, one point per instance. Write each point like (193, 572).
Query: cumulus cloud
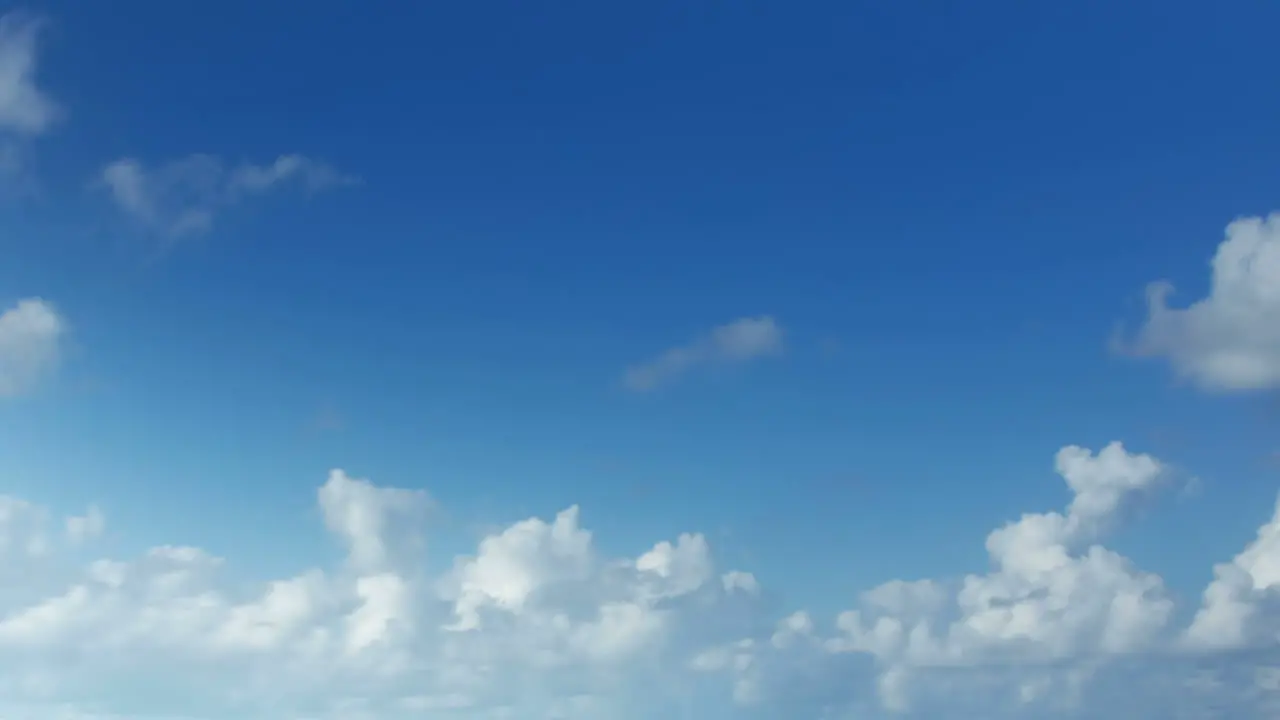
(183, 197)
(535, 620)
(538, 622)
(1241, 607)
(1053, 595)
(1230, 339)
(739, 341)
(30, 335)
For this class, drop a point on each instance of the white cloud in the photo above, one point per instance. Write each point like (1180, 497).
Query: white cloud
(538, 623)
(1052, 593)
(183, 197)
(31, 333)
(1241, 607)
(373, 630)
(739, 581)
(364, 516)
(1054, 603)
(739, 341)
(1229, 340)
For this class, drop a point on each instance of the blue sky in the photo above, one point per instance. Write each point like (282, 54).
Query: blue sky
(877, 263)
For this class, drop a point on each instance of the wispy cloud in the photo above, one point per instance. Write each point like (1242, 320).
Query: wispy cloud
(739, 341)
(26, 112)
(182, 197)
(24, 108)
(313, 175)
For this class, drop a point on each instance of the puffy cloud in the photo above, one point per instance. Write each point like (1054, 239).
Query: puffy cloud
(366, 516)
(534, 619)
(1230, 339)
(1052, 589)
(30, 335)
(537, 622)
(739, 341)
(1053, 599)
(513, 566)
(182, 197)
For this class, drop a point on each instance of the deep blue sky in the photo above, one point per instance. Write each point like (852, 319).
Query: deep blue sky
(947, 206)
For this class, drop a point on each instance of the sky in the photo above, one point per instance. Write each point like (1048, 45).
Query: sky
(603, 361)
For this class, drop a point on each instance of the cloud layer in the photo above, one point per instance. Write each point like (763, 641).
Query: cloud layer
(1230, 339)
(536, 622)
(739, 341)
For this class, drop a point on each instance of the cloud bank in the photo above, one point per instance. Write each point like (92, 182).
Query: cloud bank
(537, 622)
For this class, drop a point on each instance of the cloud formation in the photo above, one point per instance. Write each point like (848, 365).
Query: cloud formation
(182, 197)
(1230, 339)
(537, 622)
(30, 335)
(739, 341)
(1053, 594)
